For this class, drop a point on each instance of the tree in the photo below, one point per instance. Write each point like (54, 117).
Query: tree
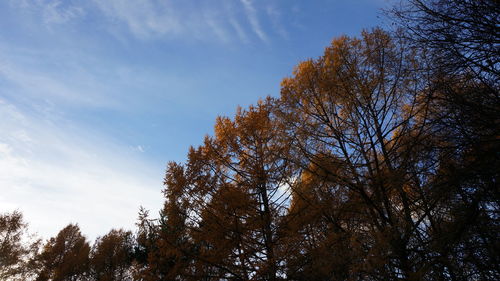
(347, 114)
(229, 197)
(462, 39)
(463, 34)
(164, 244)
(65, 257)
(18, 249)
(314, 246)
(246, 154)
(111, 256)
(361, 124)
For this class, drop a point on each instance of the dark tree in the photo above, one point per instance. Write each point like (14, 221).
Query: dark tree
(111, 256)
(18, 249)
(463, 42)
(65, 257)
(463, 34)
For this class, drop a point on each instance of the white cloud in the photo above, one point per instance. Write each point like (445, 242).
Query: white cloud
(224, 20)
(51, 11)
(57, 174)
(57, 82)
(153, 19)
(275, 15)
(254, 19)
(145, 19)
(212, 20)
(239, 29)
(42, 85)
(55, 12)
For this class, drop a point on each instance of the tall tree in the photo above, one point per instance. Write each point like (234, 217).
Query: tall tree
(247, 155)
(164, 248)
(461, 33)
(232, 195)
(18, 249)
(462, 39)
(65, 257)
(358, 120)
(111, 256)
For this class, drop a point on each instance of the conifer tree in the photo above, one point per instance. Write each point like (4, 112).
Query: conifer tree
(65, 257)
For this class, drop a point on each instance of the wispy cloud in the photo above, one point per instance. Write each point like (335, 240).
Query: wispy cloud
(239, 29)
(51, 11)
(275, 15)
(224, 20)
(56, 12)
(41, 85)
(152, 19)
(57, 174)
(213, 21)
(145, 19)
(254, 19)
(58, 82)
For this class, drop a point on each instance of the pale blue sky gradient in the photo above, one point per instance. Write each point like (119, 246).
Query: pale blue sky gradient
(97, 96)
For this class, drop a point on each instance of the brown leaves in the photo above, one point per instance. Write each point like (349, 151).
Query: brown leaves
(65, 256)
(18, 249)
(111, 256)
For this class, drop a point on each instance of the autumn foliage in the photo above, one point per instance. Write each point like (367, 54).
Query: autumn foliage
(378, 161)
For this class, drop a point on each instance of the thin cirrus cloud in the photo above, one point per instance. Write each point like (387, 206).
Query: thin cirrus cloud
(144, 19)
(51, 11)
(58, 174)
(56, 13)
(73, 79)
(41, 85)
(225, 20)
(252, 16)
(153, 19)
(57, 171)
(275, 15)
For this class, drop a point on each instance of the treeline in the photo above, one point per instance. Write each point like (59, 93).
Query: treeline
(379, 161)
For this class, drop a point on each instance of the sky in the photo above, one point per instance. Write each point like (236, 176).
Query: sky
(97, 96)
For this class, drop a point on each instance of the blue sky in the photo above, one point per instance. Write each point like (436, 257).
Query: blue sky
(97, 96)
